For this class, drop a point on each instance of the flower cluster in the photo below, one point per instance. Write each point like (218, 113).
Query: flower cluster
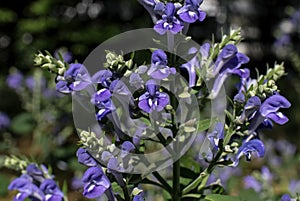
(96, 182)
(124, 92)
(36, 184)
(252, 115)
(23, 84)
(173, 17)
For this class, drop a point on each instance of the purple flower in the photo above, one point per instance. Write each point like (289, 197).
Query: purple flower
(31, 82)
(286, 197)
(216, 136)
(103, 77)
(4, 121)
(14, 80)
(191, 11)
(136, 81)
(285, 147)
(153, 100)
(117, 87)
(108, 86)
(76, 78)
(251, 182)
(269, 110)
(194, 63)
(294, 187)
(228, 62)
(247, 148)
(127, 147)
(76, 183)
(239, 97)
(26, 189)
(138, 198)
(85, 158)
(51, 191)
(35, 172)
(266, 175)
(114, 168)
(96, 182)
(251, 106)
(101, 96)
(191, 69)
(102, 99)
(153, 7)
(159, 69)
(168, 22)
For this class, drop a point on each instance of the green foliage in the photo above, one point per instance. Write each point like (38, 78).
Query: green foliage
(23, 124)
(249, 195)
(217, 197)
(7, 16)
(206, 123)
(3, 184)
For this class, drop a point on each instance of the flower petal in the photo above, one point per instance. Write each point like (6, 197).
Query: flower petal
(247, 148)
(273, 103)
(278, 118)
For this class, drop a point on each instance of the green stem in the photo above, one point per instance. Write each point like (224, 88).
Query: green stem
(163, 141)
(176, 181)
(195, 183)
(165, 187)
(162, 181)
(170, 38)
(126, 193)
(201, 180)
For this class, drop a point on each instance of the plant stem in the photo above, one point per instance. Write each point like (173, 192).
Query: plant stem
(170, 38)
(201, 180)
(195, 183)
(148, 181)
(126, 193)
(162, 181)
(176, 181)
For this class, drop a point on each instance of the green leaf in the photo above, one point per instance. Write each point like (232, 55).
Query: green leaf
(217, 197)
(65, 187)
(189, 167)
(229, 115)
(249, 195)
(23, 124)
(205, 124)
(117, 189)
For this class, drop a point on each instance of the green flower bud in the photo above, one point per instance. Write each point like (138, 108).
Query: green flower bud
(37, 60)
(47, 59)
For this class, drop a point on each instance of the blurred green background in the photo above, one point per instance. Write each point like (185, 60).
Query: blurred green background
(271, 31)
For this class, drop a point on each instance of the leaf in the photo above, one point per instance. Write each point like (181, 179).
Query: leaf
(185, 172)
(23, 124)
(132, 55)
(189, 166)
(249, 195)
(217, 197)
(229, 115)
(118, 190)
(205, 124)
(65, 187)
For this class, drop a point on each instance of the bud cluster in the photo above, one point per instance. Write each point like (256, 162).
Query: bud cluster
(48, 62)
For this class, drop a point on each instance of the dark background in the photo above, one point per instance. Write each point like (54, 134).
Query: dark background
(28, 26)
